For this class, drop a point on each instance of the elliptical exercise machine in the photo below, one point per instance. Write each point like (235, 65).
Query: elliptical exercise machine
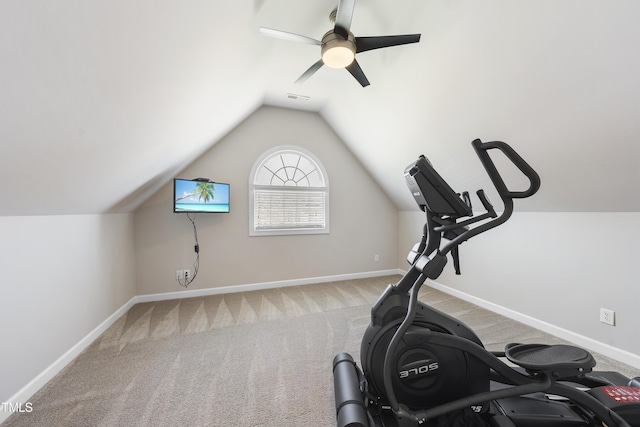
(422, 367)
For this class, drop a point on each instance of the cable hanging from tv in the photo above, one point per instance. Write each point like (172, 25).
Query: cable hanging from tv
(186, 281)
(196, 195)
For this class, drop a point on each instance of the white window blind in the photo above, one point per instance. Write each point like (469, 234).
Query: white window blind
(288, 209)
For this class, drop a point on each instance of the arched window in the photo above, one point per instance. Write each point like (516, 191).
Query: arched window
(289, 193)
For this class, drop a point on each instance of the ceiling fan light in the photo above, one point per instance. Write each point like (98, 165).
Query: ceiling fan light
(336, 51)
(338, 57)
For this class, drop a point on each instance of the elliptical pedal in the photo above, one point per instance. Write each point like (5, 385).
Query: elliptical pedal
(558, 361)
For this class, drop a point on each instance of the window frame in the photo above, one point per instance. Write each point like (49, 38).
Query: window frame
(252, 187)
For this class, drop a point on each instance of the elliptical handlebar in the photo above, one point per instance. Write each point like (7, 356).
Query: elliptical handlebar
(443, 207)
(482, 149)
(507, 196)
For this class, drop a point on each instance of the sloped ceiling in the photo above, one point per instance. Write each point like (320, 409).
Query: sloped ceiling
(104, 101)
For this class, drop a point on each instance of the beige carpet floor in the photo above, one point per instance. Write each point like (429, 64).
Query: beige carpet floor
(249, 359)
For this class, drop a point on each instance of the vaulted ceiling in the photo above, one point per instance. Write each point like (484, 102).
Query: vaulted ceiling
(103, 101)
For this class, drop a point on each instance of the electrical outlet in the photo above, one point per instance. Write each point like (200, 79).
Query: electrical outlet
(376, 257)
(608, 316)
(187, 275)
(179, 274)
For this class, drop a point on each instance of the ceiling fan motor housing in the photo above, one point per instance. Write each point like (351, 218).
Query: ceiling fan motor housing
(336, 51)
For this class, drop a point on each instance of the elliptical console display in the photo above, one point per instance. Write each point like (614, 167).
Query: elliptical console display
(422, 367)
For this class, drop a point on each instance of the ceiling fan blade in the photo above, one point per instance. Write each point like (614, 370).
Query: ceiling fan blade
(369, 43)
(343, 17)
(356, 71)
(288, 36)
(315, 67)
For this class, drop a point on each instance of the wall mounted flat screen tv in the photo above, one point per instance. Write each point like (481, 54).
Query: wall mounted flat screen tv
(200, 195)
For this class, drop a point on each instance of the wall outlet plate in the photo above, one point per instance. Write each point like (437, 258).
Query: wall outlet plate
(608, 316)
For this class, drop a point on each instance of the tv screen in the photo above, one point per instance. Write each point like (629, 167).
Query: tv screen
(196, 195)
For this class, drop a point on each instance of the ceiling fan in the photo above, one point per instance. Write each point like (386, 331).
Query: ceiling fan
(339, 46)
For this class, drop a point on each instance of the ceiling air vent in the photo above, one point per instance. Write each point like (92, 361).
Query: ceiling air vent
(297, 97)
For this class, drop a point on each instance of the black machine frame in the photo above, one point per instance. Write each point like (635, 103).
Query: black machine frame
(420, 364)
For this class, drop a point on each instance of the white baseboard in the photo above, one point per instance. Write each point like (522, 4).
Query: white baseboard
(24, 394)
(623, 356)
(263, 285)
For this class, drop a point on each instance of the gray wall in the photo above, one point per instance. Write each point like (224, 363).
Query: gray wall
(63, 276)
(554, 271)
(363, 219)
